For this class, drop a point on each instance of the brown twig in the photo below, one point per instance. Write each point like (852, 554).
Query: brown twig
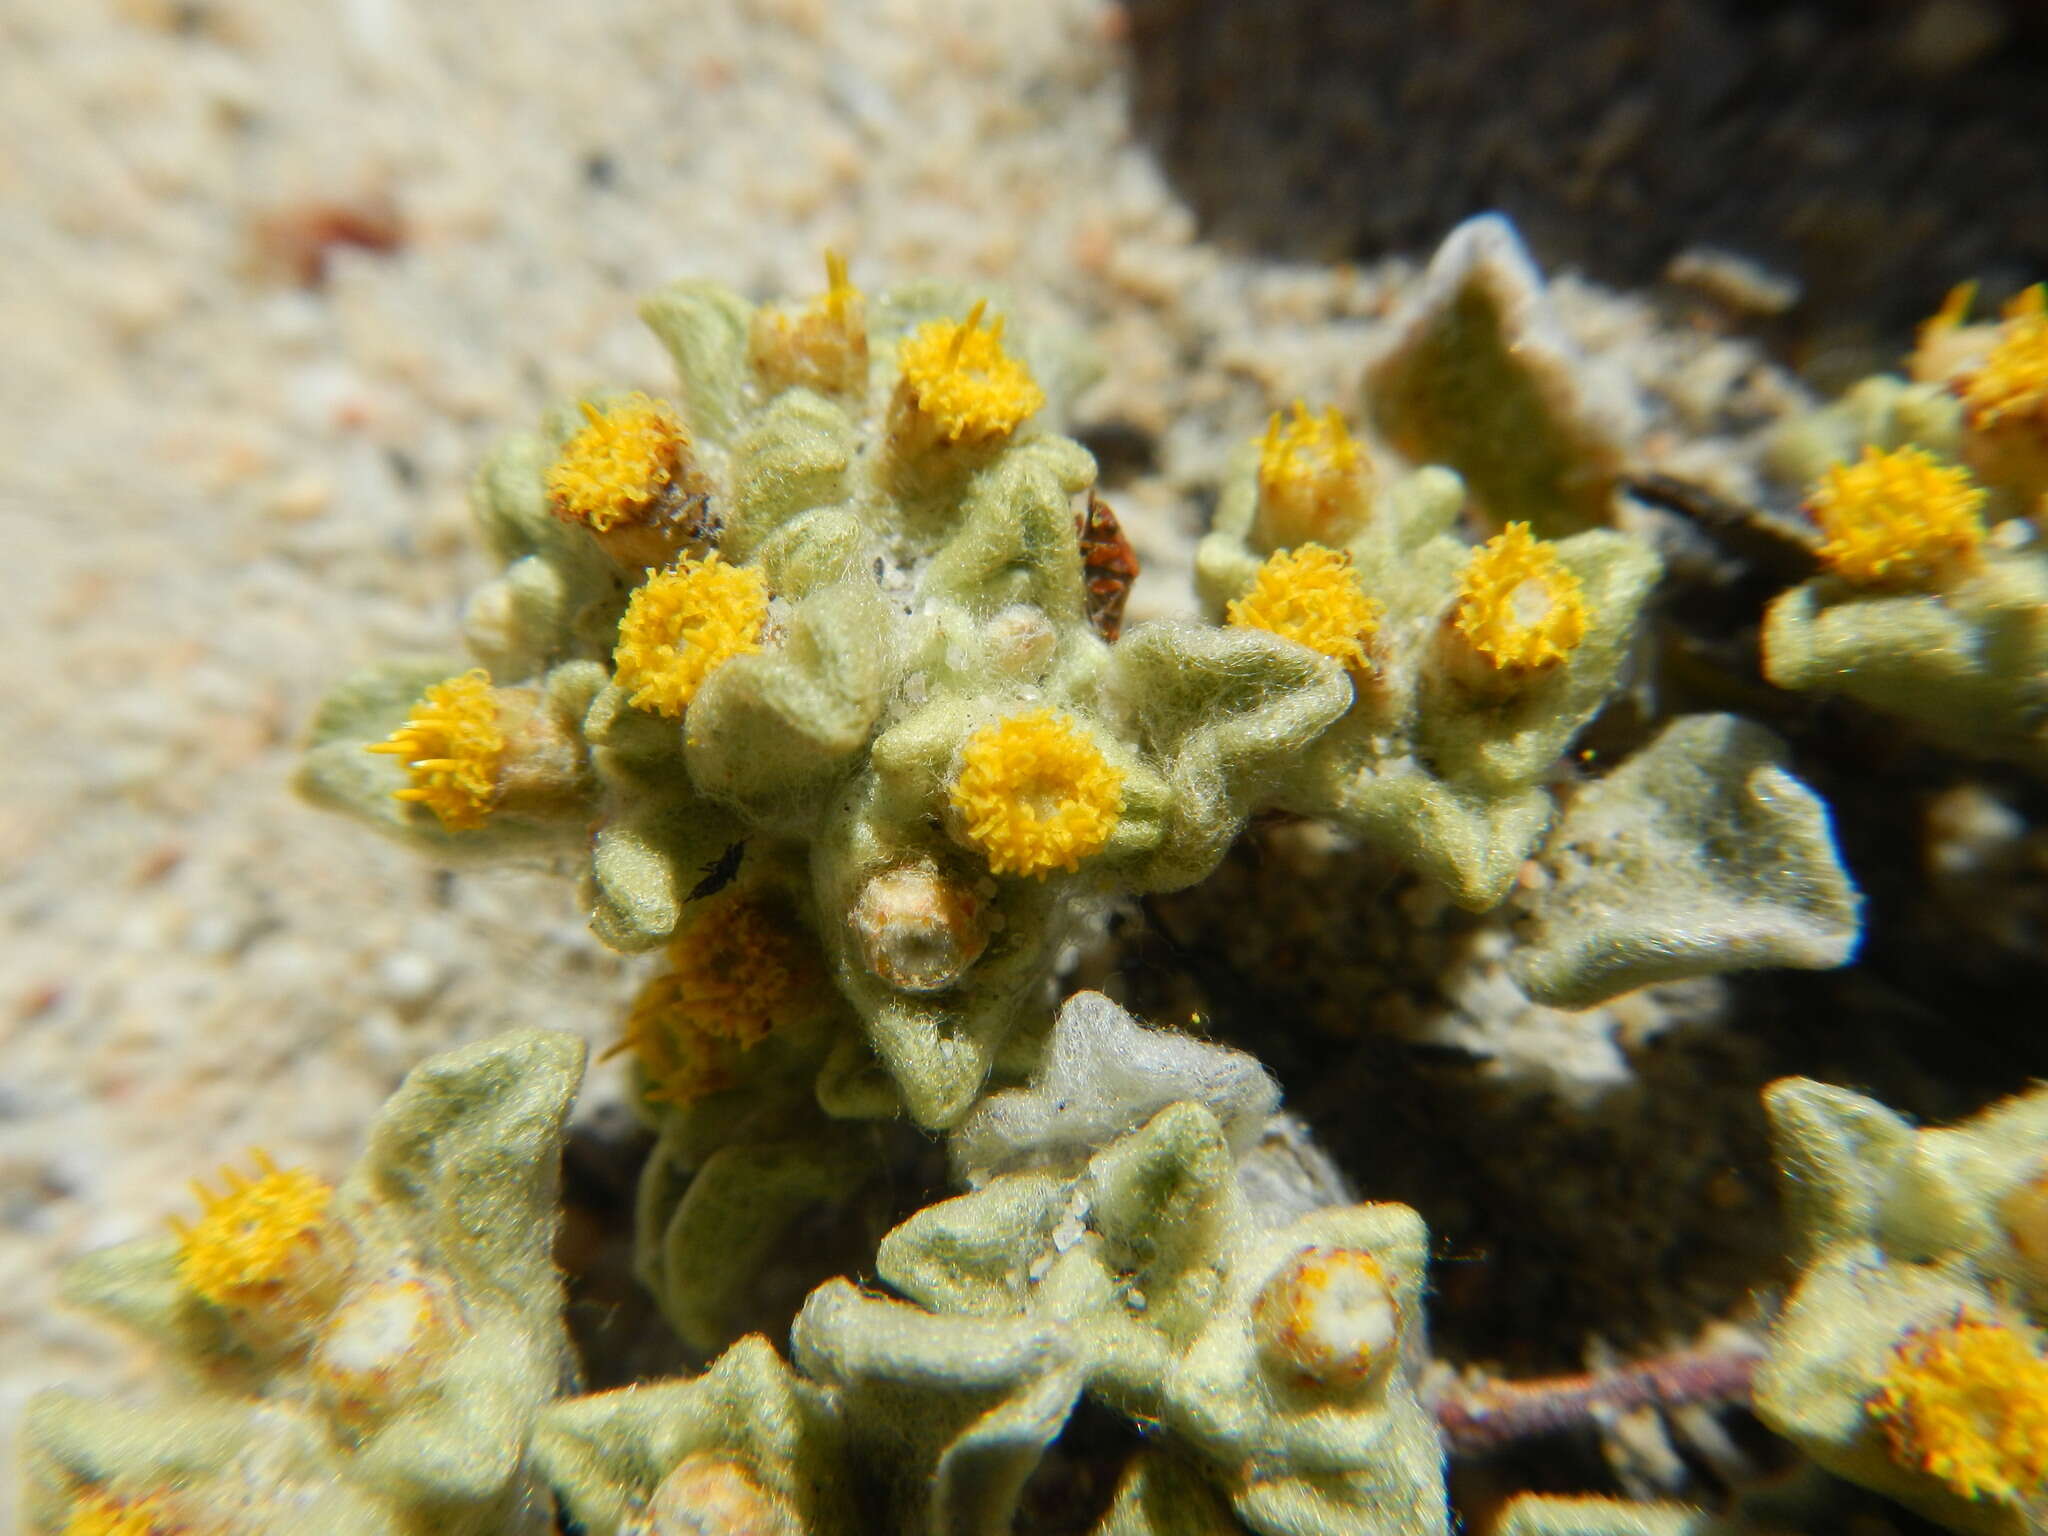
(1779, 547)
(1485, 1416)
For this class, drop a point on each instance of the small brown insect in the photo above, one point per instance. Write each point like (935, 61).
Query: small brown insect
(1108, 566)
(696, 520)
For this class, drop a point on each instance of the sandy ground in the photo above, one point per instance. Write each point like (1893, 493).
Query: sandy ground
(222, 489)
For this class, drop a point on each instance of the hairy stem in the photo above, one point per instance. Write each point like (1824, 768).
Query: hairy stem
(1483, 1416)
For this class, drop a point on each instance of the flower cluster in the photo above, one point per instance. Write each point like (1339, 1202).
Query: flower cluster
(2011, 384)
(379, 1342)
(1968, 1403)
(1901, 517)
(741, 968)
(1035, 794)
(1328, 1316)
(682, 624)
(1313, 478)
(1311, 596)
(1518, 606)
(96, 1514)
(823, 347)
(959, 379)
(452, 747)
(618, 468)
(249, 1239)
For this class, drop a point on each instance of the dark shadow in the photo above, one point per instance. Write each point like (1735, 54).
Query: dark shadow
(1879, 151)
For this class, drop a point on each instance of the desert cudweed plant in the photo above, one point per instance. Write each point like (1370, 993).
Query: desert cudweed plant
(811, 668)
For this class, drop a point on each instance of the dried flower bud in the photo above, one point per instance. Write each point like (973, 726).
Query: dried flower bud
(919, 929)
(1329, 1316)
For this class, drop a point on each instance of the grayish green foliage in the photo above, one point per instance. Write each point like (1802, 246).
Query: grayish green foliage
(453, 1206)
(1124, 1255)
(1901, 1231)
(1133, 1275)
(1104, 1074)
(1967, 663)
(607, 1454)
(1483, 380)
(1534, 1515)
(1701, 853)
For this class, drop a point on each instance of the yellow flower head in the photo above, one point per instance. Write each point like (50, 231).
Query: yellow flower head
(1898, 517)
(682, 624)
(1518, 605)
(1311, 596)
(1036, 794)
(619, 466)
(1313, 478)
(1329, 1316)
(96, 1514)
(1968, 1403)
(958, 377)
(452, 747)
(2011, 385)
(825, 347)
(741, 969)
(248, 1241)
(680, 1059)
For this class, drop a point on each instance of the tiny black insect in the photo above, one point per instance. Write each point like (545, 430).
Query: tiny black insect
(718, 872)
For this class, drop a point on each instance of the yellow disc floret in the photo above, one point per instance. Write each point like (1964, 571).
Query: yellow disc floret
(97, 1514)
(1896, 518)
(823, 346)
(1035, 794)
(680, 1060)
(1968, 1403)
(744, 966)
(842, 301)
(682, 624)
(249, 1240)
(957, 376)
(1518, 605)
(740, 970)
(2011, 385)
(619, 466)
(452, 747)
(1311, 596)
(1313, 478)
